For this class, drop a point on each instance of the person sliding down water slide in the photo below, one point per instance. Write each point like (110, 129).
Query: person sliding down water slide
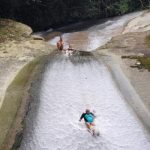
(70, 50)
(60, 44)
(89, 121)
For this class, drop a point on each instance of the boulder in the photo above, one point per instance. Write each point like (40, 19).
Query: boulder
(37, 37)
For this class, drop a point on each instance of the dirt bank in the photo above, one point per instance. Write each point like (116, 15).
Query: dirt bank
(20, 54)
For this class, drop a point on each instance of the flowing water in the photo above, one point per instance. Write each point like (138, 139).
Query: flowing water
(97, 35)
(70, 85)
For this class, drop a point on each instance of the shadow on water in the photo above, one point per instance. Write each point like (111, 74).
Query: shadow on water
(81, 57)
(77, 57)
(34, 96)
(81, 26)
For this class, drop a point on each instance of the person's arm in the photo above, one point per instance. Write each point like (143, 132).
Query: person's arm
(93, 114)
(82, 116)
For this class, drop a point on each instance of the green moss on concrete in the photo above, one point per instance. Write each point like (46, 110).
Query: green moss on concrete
(147, 40)
(130, 57)
(13, 98)
(145, 62)
(11, 30)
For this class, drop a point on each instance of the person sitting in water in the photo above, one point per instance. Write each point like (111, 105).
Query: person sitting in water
(60, 44)
(88, 118)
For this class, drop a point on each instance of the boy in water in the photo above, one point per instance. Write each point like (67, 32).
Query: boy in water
(88, 118)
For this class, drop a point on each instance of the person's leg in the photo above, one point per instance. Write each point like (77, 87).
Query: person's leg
(92, 123)
(92, 127)
(88, 125)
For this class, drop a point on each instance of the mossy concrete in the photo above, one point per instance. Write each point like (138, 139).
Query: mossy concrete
(147, 40)
(12, 102)
(20, 54)
(145, 62)
(12, 30)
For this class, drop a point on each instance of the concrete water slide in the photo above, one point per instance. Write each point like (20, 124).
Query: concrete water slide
(70, 84)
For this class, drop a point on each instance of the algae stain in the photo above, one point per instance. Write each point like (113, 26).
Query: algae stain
(147, 40)
(13, 98)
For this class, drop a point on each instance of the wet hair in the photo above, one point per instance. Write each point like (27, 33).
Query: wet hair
(87, 111)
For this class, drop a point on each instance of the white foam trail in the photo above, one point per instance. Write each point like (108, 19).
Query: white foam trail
(70, 85)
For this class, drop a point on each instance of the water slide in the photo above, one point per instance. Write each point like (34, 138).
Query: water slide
(70, 84)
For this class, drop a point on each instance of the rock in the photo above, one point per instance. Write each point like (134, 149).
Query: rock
(139, 24)
(5, 52)
(25, 58)
(49, 30)
(13, 31)
(138, 63)
(129, 56)
(37, 37)
(140, 54)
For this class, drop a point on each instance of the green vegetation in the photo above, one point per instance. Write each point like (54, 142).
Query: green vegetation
(13, 98)
(130, 57)
(11, 30)
(145, 62)
(41, 14)
(6, 32)
(147, 40)
(122, 7)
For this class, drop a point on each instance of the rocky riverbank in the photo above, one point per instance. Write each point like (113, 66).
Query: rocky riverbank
(133, 44)
(20, 57)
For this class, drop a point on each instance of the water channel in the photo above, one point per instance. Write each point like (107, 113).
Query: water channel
(73, 83)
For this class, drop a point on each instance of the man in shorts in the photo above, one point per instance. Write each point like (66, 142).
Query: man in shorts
(60, 44)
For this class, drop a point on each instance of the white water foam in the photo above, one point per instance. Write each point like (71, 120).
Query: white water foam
(70, 86)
